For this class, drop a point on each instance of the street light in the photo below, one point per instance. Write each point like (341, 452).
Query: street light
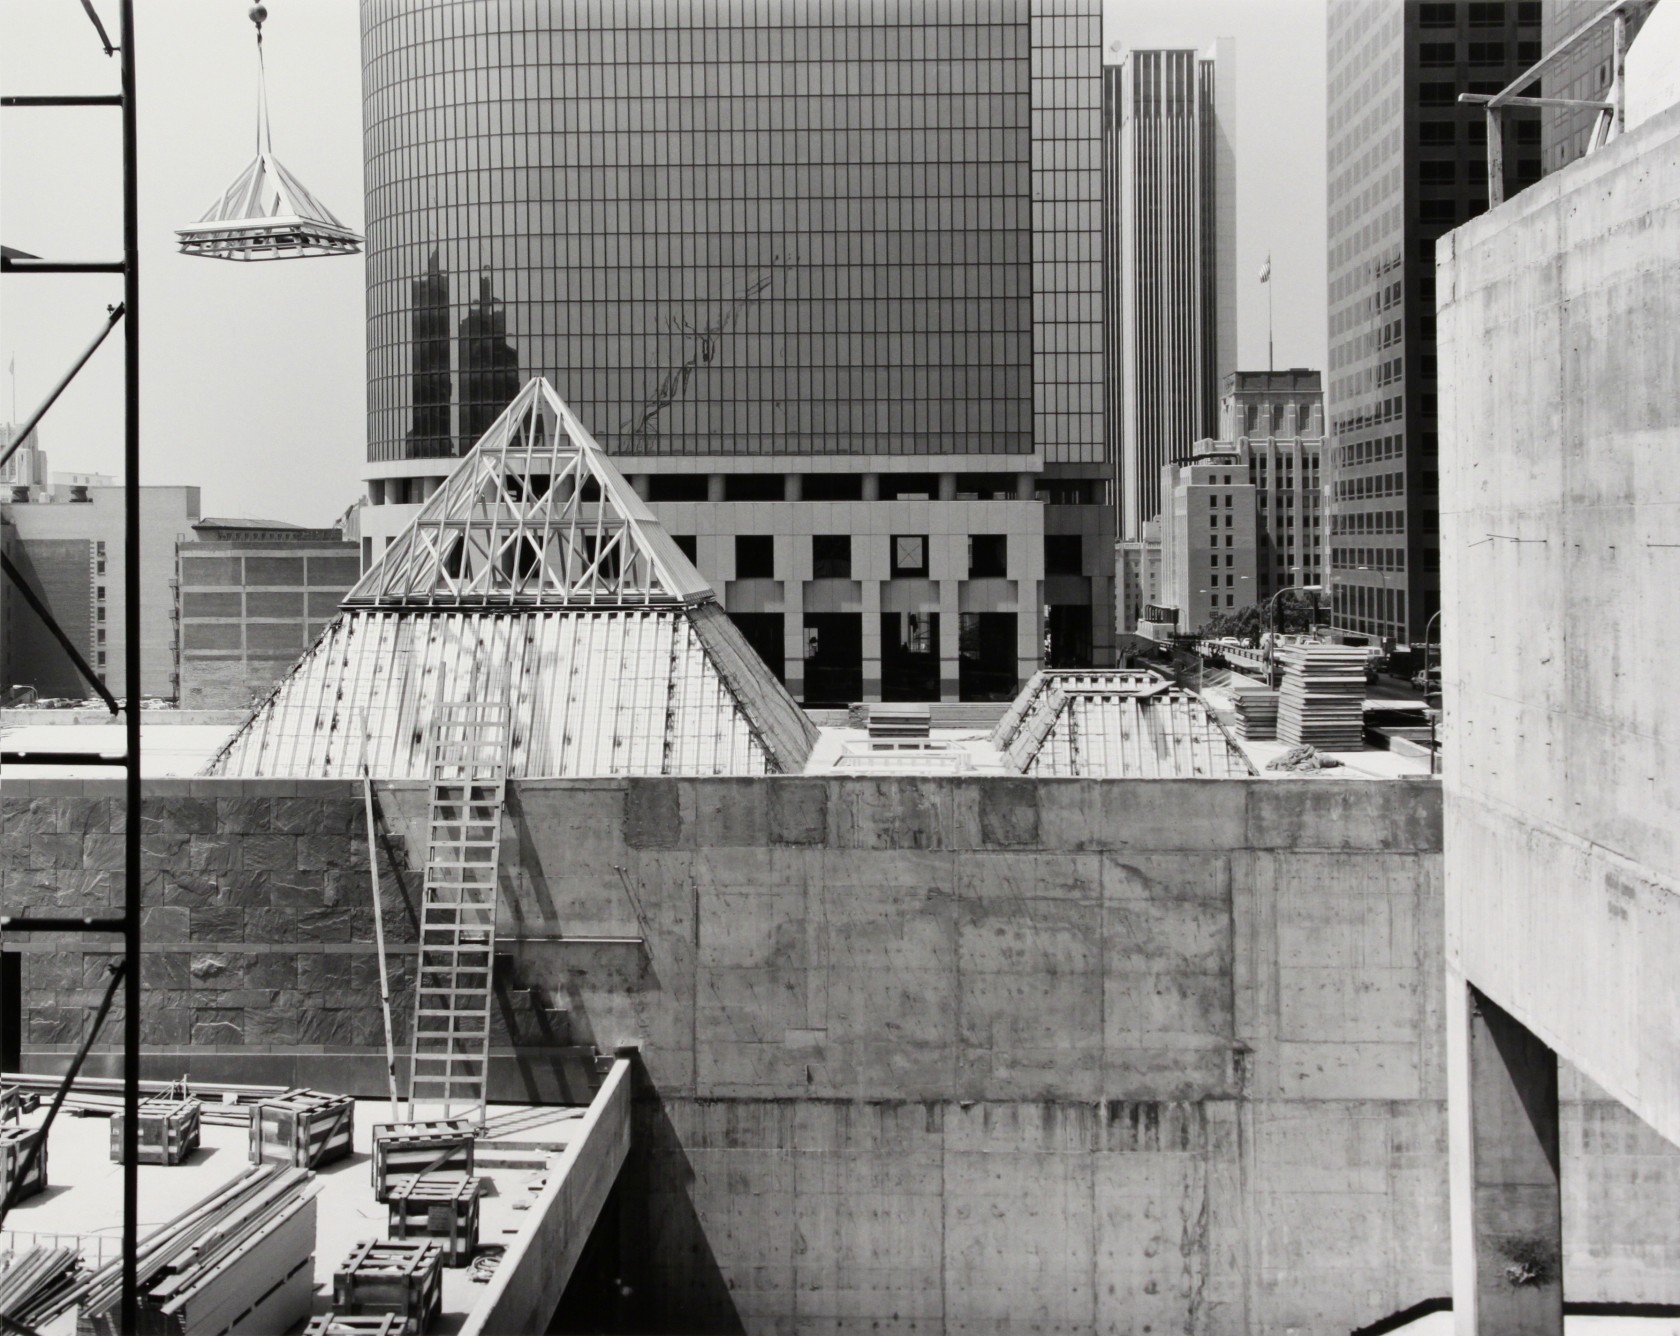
(1271, 621)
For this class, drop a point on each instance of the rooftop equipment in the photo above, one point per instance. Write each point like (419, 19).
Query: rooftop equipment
(267, 214)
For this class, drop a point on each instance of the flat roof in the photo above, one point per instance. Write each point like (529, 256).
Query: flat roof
(82, 1205)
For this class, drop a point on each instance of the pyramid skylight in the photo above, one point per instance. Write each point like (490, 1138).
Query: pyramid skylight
(534, 516)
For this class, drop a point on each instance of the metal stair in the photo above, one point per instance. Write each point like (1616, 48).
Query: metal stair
(450, 1044)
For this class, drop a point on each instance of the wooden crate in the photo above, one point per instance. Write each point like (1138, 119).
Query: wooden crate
(438, 1206)
(405, 1278)
(420, 1148)
(304, 1128)
(336, 1324)
(14, 1148)
(169, 1131)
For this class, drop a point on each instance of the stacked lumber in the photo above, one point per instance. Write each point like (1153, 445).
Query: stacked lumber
(224, 1105)
(14, 1150)
(168, 1129)
(304, 1128)
(899, 721)
(418, 1149)
(438, 1206)
(35, 1284)
(1321, 700)
(397, 1277)
(1257, 715)
(242, 1258)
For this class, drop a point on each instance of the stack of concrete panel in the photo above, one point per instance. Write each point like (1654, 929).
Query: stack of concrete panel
(1321, 702)
(1257, 714)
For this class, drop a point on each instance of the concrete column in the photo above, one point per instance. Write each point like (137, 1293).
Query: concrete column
(639, 485)
(872, 487)
(947, 487)
(1024, 487)
(792, 487)
(714, 487)
(1506, 1205)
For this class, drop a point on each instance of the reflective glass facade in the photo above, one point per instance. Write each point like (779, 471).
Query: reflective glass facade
(735, 229)
(1407, 163)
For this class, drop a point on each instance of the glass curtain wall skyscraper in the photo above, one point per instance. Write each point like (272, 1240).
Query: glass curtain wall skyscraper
(1170, 258)
(818, 276)
(1407, 162)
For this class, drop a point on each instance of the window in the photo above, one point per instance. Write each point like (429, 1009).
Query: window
(1063, 554)
(1437, 94)
(909, 554)
(831, 487)
(988, 556)
(754, 487)
(1438, 15)
(1487, 53)
(831, 556)
(1437, 53)
(1489, 15)
(1438, 173)
(677, 487)
(755, 556)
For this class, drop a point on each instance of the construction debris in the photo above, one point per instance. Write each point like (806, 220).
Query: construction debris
(1303, 760)
(35, 1283)
(243, 1257)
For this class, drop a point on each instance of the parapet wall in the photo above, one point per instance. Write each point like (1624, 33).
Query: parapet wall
(1560, 555)
(951, 1054)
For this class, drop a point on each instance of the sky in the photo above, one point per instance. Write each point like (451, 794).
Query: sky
(253, 375)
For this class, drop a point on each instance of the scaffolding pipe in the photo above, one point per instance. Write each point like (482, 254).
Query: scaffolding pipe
(116, 314)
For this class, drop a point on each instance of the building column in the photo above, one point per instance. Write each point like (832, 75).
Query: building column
(1506, 1205)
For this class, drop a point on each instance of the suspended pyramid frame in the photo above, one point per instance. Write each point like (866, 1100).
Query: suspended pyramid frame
(267, 213)
(534, 515)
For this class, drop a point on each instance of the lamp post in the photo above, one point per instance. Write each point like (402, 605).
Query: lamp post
(1271, 620)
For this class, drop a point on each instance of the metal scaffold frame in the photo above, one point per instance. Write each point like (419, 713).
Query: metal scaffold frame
(127, 924)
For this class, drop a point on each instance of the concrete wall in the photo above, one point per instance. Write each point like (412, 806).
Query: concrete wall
(968, 1055)
(1560, 348)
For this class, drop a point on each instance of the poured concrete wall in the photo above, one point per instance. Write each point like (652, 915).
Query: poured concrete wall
(968, 1055)
(1559, 332)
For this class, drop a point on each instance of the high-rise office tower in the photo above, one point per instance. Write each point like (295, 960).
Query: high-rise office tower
(1407, 162)
(823, 278)
(1169, 249)
(1584, 71)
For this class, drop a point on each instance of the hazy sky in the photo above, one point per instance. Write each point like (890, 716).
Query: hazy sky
(252, 380)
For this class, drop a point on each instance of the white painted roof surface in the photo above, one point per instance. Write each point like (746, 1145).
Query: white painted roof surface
(1116, 725)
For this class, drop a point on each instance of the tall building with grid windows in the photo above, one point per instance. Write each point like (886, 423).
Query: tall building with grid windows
(1407, 162)
(1584, 71)
(823, 278)
(1169, 248)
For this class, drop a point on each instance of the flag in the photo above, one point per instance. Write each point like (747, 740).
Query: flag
(1266, 270)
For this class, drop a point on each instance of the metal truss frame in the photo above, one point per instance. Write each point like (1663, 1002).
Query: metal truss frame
(535, 515)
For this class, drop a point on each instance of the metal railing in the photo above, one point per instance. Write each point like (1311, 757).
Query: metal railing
(1611, 119)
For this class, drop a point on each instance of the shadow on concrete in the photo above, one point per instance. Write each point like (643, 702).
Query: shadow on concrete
(648, 1266)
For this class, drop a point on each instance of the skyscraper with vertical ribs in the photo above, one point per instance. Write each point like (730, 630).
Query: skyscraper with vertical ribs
(1169, 184)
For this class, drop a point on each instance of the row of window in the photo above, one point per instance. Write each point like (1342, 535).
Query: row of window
(1371, 558)
(831, 555)
(1369, 521)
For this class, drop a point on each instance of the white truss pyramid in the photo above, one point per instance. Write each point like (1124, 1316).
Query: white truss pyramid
(534, 516)
(267, 214)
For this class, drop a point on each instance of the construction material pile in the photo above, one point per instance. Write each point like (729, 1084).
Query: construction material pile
(224, 1105)
(1257, 714)
(244, 1255)
(1321, 701)
(35, 1285)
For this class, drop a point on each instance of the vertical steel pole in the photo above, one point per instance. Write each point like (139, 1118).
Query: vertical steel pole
(130, 1304)
(1618, 81)
(1495, 157)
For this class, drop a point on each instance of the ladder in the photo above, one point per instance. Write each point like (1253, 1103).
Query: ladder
(450, 1042)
